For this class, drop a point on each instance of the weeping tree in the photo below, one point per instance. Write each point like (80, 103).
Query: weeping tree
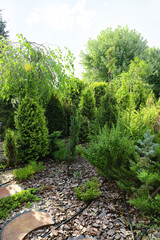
(33, 69)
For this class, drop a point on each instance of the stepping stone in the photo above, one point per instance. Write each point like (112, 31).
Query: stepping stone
(9, 190)
(25, 223)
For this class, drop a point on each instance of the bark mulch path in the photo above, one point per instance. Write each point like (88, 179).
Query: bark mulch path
(104, 219)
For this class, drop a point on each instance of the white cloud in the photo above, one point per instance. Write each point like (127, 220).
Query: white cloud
(34, 17)
(64, 17)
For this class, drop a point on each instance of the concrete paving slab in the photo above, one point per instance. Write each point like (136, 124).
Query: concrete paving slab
(25, 223)
(9, 190)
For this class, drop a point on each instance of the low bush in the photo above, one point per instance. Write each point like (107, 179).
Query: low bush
(28, 171)
(7, 204)
(110, 151)
(88, 191)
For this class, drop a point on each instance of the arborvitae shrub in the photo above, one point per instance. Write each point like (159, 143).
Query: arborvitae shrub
(7, 112)
(99, 91)
(107, 112)
(56, 116)
(74, 136)
(32, 131)
(84, 130)
(75, 90)
(68, 112)
(87, 104)
(10, 147)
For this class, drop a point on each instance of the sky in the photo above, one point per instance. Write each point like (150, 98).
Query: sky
(70, 23)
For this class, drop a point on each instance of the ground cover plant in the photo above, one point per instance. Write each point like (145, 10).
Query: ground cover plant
(7, 204)
(89, 190)
(28, 171)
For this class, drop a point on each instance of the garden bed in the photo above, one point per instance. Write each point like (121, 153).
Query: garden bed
(105, 218)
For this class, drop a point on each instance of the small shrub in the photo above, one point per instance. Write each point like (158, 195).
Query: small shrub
(28, 171)
(61, 153)
(146, 169)
(110, 151)
(7, 204)
(54, 142)
(89, 191)
(10, 147)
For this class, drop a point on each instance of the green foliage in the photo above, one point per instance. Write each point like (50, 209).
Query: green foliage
(110, 151)
(32, 131)
(147, 170)
(7, 111)
(56, 116)
(99, 91)
(153, 60)
(132, 89)
(8, 204)
(137, 122)
(111, 53)
(75, 89)
(10, 147)
(54, 143)
(107, 112)
(79, 149)
(68, 112)
(58, 147)
(61, 153)
(87, 104)
(33, 69)
(89, 191)
(147, 148)
(74, 136)
(84, 130)
(28, 171)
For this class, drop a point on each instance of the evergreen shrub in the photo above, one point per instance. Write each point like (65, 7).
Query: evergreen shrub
(88, 191)
(88, 113)
(28, 171)
(87, 104)
(147, 170)
(7, 112)
(10, 147)
(99, 91)
(75, 90)
(32, 131)
(107, 112)
(56, 116)
(110, 151)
